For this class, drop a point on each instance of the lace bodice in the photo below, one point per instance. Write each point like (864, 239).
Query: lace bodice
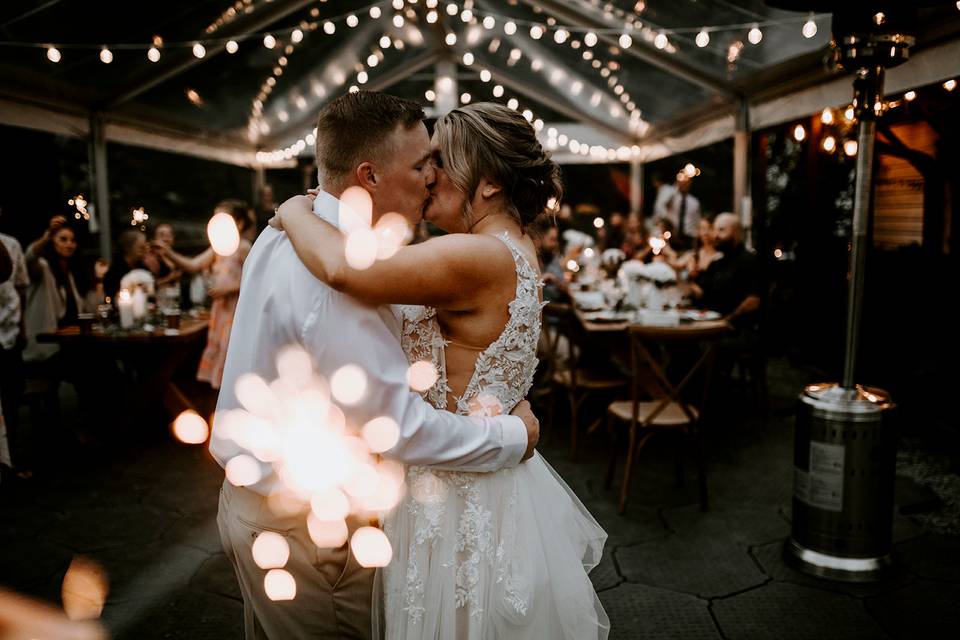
(504, 371)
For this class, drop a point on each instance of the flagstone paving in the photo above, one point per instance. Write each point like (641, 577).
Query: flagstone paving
(146, 512)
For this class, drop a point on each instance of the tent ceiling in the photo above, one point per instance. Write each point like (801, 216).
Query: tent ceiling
(682, 83)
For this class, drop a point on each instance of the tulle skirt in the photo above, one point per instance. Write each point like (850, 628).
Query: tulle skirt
(502, 555)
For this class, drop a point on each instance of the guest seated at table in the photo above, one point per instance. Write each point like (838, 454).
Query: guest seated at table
(636, 244)
(546, 238)
(704, 251)
(131, 250)
(615, 231)
(732, 284)
(163, 269)
(54, 298)
(225, 290)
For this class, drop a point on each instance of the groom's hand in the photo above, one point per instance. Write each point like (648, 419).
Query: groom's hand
(523, 411)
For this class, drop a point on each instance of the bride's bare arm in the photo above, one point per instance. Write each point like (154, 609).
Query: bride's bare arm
(449, 272)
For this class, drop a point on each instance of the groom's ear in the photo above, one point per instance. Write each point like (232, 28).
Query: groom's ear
(367, 176)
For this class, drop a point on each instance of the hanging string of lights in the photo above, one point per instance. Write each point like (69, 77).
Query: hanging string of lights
(659, 36)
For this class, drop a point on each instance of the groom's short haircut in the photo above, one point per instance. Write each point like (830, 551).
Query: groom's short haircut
(355, 128)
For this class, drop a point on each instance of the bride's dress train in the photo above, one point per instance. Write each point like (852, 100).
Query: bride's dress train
(502, 555)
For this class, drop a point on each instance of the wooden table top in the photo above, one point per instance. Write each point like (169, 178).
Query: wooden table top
(622, 325)
(190, 329)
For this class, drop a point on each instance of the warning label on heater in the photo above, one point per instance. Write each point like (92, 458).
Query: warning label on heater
(822, 485)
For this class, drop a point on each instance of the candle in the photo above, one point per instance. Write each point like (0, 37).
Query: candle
(139, 303)
(125, 306)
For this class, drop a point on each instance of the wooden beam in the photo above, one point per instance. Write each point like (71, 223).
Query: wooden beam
(176, 62)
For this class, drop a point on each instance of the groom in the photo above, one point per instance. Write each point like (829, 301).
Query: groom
(377, 142)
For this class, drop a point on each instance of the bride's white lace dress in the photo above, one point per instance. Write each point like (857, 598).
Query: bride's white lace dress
(498, 555)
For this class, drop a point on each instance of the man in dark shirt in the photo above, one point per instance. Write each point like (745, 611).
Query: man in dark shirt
(733, 284)
(132, 245)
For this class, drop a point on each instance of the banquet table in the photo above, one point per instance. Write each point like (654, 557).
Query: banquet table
(156, 365)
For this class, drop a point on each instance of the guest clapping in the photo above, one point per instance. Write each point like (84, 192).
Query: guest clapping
(53, 299)
(225, 289)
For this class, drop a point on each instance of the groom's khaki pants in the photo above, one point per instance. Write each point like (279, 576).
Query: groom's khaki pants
(333, 592)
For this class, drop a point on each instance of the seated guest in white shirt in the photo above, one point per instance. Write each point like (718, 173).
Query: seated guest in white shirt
(379, 143)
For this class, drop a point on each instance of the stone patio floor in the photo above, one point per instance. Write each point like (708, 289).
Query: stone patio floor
(146, 512)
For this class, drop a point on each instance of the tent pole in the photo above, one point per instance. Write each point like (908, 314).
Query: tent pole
(636, 187)
(741, 172)
(100, 183)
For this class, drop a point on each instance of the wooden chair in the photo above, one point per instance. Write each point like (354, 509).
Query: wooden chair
(570, 375)
(660, 396)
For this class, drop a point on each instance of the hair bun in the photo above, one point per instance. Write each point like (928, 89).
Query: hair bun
(534, 190)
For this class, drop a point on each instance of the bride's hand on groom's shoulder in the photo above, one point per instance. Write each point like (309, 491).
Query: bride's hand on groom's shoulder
(525, 413)
(303, 203)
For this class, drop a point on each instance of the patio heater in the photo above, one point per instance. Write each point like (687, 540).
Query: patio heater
(845, 445)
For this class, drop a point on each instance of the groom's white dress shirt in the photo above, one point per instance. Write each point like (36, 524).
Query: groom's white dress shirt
(281, 303)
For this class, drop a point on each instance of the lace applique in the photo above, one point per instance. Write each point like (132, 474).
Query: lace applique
(503, 375)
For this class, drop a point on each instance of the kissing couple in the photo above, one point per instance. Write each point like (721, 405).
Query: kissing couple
(488, 542)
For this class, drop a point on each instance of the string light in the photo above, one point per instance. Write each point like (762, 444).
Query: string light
(430, 95)
(809, 28)
(536, 32)
(53, 54)
(950, 85)
(590, 39)
(703, 38)
(352, 21)
(625, 41)
(489, 22)
(199, 51)
(232, 46)
(799, 133)
(450, 39)
(510, 28)
(827, 116)
(375, 12)
(468, 58)
(106, 56)
(661, 41)
(829, 144)
(329, 28)
(850, 147)
(296, 36)
(910, 96)
(269, 41)
(755, 35)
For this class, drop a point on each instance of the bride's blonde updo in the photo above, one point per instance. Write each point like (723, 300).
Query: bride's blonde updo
(488, 140)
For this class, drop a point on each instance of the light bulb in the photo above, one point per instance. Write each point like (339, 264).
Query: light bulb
(755, 35)
(809, 28)
(232, 46)
(625, 41)
(590, 39)
(269, 41)
(510, 28)
(53, 54)
(106, 56)
(199, 50)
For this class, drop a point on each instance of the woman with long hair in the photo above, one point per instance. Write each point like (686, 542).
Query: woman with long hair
(54, 298)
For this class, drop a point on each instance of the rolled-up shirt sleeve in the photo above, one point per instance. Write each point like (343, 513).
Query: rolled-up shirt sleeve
(340, 331)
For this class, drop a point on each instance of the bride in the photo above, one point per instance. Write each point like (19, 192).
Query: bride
(476, 556)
